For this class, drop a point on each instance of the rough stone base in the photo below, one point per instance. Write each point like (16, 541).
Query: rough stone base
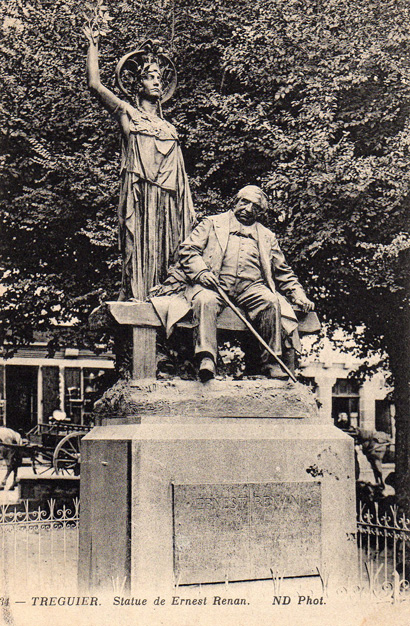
(147, 401)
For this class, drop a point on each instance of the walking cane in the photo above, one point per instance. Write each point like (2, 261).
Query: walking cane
(253, 331)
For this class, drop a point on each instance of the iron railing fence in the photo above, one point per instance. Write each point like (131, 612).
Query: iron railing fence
(39, 548)
(384, 552)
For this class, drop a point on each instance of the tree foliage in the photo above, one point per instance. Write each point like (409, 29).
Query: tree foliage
(310, 99)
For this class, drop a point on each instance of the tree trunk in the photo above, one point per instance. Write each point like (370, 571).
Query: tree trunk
(400, 367)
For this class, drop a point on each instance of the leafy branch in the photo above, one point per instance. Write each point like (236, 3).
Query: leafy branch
(97, 19)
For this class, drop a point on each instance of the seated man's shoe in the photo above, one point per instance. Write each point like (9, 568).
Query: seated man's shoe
(274, 371)
(207, 369)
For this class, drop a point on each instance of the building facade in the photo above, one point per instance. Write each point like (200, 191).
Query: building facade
(33, 386)
(367, 405)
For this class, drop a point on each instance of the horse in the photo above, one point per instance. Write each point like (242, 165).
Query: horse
(374, 445)
(11, 453)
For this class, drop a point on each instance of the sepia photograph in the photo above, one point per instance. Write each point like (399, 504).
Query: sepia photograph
(204, 312)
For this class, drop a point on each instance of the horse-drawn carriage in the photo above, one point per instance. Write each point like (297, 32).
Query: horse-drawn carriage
(54, 446)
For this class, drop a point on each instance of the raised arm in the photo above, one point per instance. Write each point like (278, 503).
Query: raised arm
(108, 99)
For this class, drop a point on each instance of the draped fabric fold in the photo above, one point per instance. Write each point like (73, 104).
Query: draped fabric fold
(155, 208)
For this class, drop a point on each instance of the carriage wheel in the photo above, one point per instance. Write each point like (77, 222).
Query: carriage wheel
(66, 457)
(43, 460)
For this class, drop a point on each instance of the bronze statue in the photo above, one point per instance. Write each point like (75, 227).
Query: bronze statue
(232, 251)
(155, 208)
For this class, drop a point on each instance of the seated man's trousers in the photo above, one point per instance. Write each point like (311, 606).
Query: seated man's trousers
(258, 302)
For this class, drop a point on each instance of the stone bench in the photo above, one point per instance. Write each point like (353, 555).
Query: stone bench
(141, 316)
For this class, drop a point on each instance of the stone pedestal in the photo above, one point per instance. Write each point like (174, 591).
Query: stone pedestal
(226, 481)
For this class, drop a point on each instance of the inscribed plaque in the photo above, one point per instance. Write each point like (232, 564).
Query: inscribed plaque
(245, 531)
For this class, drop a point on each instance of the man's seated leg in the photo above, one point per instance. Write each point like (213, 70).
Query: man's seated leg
(206, 306)
(288, 352)
(263, 309)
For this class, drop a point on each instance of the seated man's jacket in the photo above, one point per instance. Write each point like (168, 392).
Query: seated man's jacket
(204, 249)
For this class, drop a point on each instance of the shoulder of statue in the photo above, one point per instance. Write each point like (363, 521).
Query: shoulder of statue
(171, 126)
(269, 234)
(208, 220)
(221, 219)
(205, 222)
(143, 122)
(129, 109)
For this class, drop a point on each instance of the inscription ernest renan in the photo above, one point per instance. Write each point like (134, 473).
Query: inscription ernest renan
(246, 531)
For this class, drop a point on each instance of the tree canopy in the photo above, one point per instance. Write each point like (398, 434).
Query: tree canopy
(308, 98)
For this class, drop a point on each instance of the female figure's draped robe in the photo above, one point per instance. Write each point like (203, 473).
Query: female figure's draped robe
(155, 209)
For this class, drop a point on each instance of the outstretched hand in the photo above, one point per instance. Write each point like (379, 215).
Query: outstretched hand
(305, 304)
(92, 36)
(208, 279)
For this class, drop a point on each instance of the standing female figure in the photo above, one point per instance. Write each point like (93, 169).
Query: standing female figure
(155, 208)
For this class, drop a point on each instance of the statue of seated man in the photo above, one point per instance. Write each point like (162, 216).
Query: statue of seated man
(233, 251)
